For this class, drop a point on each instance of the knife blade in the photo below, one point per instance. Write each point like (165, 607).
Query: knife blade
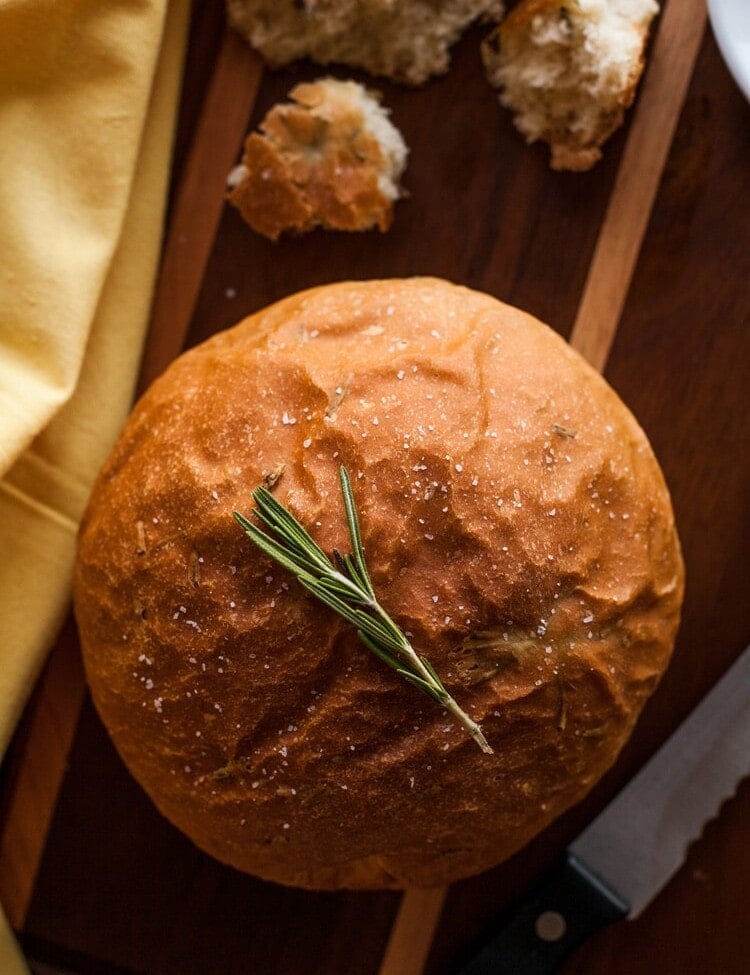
(621, 861)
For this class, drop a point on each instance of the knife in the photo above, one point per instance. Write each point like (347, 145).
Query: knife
(621, 861)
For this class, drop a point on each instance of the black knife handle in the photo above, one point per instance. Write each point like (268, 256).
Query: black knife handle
(552, 921)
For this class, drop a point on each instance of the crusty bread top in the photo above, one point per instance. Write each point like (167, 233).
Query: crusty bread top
(406, 40)
(568, 69)
(516, 524)
(330, 157)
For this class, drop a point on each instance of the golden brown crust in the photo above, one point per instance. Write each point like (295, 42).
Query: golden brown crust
(577, 159)
(516, 523)
(267, 196)
(316, 164)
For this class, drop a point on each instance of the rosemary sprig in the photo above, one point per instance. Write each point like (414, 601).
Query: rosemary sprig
(346, 588)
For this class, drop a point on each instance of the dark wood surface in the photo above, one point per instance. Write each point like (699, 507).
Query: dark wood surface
(120, 890)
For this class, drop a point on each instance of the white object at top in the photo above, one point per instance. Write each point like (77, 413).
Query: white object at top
(730, 20)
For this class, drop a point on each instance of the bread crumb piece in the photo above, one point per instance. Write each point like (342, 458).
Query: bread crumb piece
(330, 157)
(406, 40)
(568, 69)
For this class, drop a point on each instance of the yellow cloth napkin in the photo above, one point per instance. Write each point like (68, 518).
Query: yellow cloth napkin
(88, 95)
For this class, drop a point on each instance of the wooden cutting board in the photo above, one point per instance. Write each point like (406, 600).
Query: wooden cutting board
(644, 264)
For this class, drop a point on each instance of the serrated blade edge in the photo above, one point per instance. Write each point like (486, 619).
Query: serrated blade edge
(641, 838)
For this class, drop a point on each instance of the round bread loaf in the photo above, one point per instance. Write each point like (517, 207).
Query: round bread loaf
(516, 524)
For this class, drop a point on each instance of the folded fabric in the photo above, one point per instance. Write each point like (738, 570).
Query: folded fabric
(88, 95)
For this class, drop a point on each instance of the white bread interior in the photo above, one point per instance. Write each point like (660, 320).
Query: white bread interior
(568, 69)
(406, 40)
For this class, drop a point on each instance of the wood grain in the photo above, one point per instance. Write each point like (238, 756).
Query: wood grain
(651, 133)
(39, 764)
(413, 930)
(199, 201)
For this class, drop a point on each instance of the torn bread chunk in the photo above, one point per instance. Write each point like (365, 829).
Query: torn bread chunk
(568, 69)
(330, 157)
(405, 40)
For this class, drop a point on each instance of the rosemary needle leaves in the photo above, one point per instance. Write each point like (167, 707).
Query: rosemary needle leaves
(346, 588)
